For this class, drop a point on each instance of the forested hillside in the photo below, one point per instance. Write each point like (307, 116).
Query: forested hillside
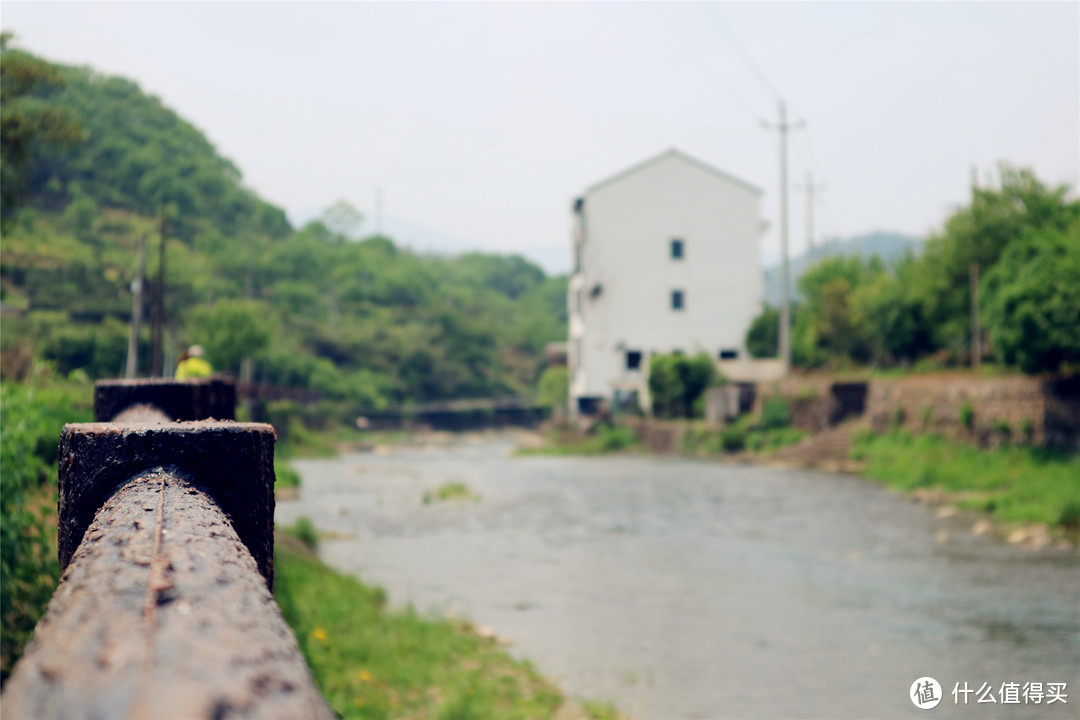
(359, 321)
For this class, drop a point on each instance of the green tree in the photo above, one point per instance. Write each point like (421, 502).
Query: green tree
(677, 383)
(666, 385)
(827, 325)
(29, 124)
(343, 219)
(763, 337)
(231, 330)
(890, 317)
(1031, 300)
(980, 233)
(553, 390)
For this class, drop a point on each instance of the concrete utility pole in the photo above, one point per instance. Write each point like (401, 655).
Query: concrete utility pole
(973, 271)
(809, 188)
(136, 311)
(785, 310)
(157, 318)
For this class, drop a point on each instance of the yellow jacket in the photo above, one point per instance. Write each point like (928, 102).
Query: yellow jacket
(193, 367)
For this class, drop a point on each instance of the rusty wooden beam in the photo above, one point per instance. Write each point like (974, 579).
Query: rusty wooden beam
(161, 611)
(233, 462)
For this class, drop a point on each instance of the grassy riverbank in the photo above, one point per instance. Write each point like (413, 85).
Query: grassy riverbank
(373, 662)
(1015, 484)
(604, 439)
(746, 435)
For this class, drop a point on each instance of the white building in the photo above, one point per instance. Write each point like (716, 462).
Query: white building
(666, 258)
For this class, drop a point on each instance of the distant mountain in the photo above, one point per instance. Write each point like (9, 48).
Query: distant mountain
(889, 246)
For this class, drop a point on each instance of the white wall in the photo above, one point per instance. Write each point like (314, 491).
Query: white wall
(630, 222)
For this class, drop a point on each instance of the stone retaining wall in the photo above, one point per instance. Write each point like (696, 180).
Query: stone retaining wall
(659, 436)
(988, 410)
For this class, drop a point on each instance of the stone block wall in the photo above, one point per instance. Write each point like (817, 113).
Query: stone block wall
(816, 402)
(659, 436)
(987, 410)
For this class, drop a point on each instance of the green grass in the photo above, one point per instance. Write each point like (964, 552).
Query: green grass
(453, 490)
(1015, 484)
(606, 439)
(373, 662)
(739, 435)
(285, 475)
(304, 531)
(598, 710)
(300, 441)
(925, 366)
(699, 440)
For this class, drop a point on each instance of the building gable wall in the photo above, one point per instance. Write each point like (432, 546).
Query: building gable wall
(628, 273)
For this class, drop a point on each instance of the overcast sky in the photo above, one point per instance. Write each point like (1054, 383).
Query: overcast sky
(482, 121)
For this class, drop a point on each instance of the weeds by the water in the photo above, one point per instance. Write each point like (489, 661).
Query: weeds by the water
(743, 434)
(598, 710)
(453, 490)
(605, 439)
(285, 475)
(304, 531)
(1015, 484)
(372, 662)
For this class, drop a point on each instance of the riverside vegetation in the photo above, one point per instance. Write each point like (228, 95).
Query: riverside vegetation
(1015, 484)
(369, 660)
(374, 662)
(760, 436)
(33, 414)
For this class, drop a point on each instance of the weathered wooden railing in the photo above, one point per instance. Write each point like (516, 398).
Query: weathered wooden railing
(164, 608)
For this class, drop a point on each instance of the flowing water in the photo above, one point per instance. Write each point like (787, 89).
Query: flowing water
(691, 589)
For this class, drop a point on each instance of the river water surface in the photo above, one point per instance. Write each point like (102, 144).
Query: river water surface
(690, 589)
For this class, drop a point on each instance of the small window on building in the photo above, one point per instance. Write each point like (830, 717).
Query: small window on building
(677, 300)
(729, 354)
(676, 249)
(633, 359)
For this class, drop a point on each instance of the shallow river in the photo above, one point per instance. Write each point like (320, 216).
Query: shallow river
(689, 589)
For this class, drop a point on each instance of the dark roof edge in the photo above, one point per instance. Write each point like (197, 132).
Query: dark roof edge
(679, 154)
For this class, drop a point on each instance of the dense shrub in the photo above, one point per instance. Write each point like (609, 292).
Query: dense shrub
(775, 414)
(677, 383)
(733, 439)
(33, 416)
(553, 390)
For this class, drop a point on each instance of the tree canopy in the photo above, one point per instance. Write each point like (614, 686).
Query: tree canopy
(359, 320)
(1022, 236)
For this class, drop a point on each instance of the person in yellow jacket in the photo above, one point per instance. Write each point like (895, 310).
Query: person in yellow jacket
(193, 365)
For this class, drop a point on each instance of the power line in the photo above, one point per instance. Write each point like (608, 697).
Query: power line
(737, 46)
(685, 48)
(807, 154)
